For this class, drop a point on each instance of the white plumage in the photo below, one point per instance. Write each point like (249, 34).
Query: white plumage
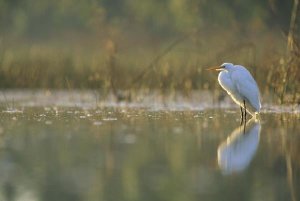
(241, 86)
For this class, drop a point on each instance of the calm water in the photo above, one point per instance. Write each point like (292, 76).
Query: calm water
(120, 154)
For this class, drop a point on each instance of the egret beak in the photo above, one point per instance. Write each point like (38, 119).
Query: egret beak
(217, 68)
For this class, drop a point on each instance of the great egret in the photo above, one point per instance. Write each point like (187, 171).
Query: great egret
(241, 86)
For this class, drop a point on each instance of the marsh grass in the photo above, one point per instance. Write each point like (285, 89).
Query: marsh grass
(124, 65)
(284, 78)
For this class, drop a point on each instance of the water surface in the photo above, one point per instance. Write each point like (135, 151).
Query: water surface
(119, 153)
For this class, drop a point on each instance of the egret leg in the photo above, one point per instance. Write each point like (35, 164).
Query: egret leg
(242, 115)
(245, 111)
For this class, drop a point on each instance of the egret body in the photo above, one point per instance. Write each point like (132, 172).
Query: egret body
(237, 81)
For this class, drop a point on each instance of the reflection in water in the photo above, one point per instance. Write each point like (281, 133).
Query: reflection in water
(237, 151)
(143, 155)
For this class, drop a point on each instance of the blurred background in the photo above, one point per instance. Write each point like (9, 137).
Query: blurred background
(127, 46)
(110, 99)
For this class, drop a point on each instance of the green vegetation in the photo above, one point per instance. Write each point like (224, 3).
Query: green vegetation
(150, 44)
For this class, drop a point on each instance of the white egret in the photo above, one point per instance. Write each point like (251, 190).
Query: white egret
(237, 81)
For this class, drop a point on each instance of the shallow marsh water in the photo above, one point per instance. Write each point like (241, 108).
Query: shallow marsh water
(74, 146)
(119, 153)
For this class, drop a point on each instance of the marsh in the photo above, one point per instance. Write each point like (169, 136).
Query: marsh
(144, 152)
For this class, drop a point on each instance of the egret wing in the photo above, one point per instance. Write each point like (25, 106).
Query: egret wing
(247, 87)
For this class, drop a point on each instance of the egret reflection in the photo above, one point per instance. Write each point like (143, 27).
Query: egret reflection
(237, 151)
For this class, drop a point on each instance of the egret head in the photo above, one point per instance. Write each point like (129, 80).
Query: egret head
(227, 66)
(224, 66)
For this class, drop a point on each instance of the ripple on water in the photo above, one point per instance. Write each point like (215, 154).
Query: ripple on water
(97, 123)
(110, 119)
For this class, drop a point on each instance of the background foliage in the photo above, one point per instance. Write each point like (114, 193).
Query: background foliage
(149, 44)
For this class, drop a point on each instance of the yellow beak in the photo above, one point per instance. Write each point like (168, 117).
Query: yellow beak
(217, 68)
